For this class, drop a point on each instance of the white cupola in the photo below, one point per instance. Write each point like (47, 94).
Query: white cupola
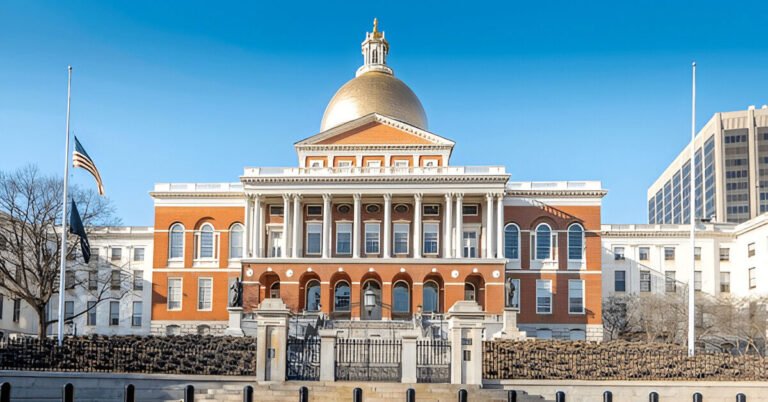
(375, 49)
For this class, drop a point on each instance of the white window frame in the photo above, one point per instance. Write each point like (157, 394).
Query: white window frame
(315, 225)
(466, 243)
(273, 207)
(199, 294)
(583, 243)
(647, 253)
(344, 166)
(272, 246)
(436, 225)
(505, 241)
(316, 164)
(544, 285)
(619, 253)
(424, 209)
(169, 295)
(140, 314)
(199, 243)
(242, 241)
(476, 206)
(113, 257)
(581, 296)
(400, 165)
(339, 231)
(407, 226)
(91, 313)
(552, 244)
(314, 206)
(377, 232)
(143, 254)
(170, 242)
(373, 166)
(114, 303)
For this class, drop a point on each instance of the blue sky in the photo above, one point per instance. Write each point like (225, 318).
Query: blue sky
(195, 91)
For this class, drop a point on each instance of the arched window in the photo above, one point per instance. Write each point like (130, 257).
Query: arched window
(205, 240)
(512, 241)
(313, 295)
(236, 241)
(203, 330)
(341, 297)
(176, 242)
(401, 297)
(173, 330)
(470, 292)
(575, 242)
(274, 290)
(430, 301)
(543, 242)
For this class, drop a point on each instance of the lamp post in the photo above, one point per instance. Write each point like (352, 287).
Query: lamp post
(369, 299)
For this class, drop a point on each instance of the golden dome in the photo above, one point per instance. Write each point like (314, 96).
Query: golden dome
(374, 92)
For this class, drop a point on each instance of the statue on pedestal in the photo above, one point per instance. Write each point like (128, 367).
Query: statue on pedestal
(509, 287)
(237, 293)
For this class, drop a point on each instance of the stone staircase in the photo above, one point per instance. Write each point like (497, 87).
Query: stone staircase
(342, 392)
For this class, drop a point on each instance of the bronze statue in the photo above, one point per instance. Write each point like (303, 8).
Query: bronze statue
(509, 286)
(237, 293)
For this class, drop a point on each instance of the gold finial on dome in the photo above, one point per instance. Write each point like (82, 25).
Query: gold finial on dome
(376, 33)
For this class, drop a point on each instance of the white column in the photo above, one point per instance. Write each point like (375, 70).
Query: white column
(488, 251)
(258, 227)
(326, 226)
(286, 224)
(387, 225)
(248, 223)
(500, 225)
(417, 230)
(356, 226)
(297, 217)
(459, 225)
(448, 226)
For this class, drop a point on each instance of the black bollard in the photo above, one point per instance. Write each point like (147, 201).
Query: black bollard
(5, 392)
(560, 396)
(739, 398)
(511, 395)
(607, 396)
(68, 393)
(697, 397)
(303, 394)
(653, 397)
(189, 394)
(130, 393)
(357, 395)
(410, 395)
(463, 395)
(248, 393)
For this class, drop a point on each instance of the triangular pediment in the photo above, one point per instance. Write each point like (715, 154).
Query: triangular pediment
(375, 129)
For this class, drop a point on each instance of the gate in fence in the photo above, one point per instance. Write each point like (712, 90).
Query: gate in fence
(368, 359)
(433, 360)
(303, 359)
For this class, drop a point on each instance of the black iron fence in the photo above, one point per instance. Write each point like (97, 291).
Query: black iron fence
(303, 359)
(191, 354)
(368, 359)
(433, 361)
(569, 360)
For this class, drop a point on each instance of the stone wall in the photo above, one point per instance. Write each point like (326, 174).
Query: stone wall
(160, 328)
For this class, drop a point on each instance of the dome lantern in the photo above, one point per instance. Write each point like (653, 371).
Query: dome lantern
(375, 49)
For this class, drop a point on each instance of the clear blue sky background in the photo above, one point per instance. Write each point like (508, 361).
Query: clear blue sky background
(195, 91)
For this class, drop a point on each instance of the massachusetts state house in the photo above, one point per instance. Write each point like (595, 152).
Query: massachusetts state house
(375, 223)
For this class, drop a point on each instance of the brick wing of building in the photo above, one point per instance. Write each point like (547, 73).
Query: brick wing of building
(374, 210)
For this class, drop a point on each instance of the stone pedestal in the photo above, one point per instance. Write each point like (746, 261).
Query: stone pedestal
(510, 330)
(327, 354)
(465, 331)
(408, 360)
(272, 340)
(235, 318)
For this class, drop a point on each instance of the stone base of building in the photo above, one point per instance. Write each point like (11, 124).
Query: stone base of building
(164, 328)
(588, 332)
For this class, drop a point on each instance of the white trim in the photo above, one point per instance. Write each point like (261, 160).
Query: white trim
(551, 297)
(198, 293)
(306, 238)
(410, 295)
(568, 243)
(519, 241)
(583, 297)
(170, 243)
(168, 294)
(351, 224)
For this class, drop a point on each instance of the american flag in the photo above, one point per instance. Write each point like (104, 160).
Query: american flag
(81, 159)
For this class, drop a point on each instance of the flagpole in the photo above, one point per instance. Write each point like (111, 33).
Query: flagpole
(692, 273)
(63, 257)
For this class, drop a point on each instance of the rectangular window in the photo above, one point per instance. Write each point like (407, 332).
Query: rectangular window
(401, 166)
(138, 279)
(174, 293)
(543, 297)
(314, 238)
(276, 210)
(276, 244)
(431, 210)
(431, 231)
(344, 238)
(469, 209)
(372, 235)
(751, 250)
(93, 280)
(117, 253)
(697, 253)
(576, 296)
(725, 282)
(670, 284)
(204, 293)
(114, 313)
(69, 310)
(138, 254)
(16, 310)
(314, 210)
(669, 253)
(697, 280)
(91, 313)
(400, 238)
(752, 278)
(136, 316)
(345, 166)
(69, 279)
(470, 244)
(644, 253)
(725, 254)
(645, 281)
(620, 281)
(618, 253)
(115, 280)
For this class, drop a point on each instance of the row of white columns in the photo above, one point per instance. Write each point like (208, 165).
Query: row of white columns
(453, 225)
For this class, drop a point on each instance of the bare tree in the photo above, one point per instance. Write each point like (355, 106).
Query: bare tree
(615, 317)
(30, 219)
